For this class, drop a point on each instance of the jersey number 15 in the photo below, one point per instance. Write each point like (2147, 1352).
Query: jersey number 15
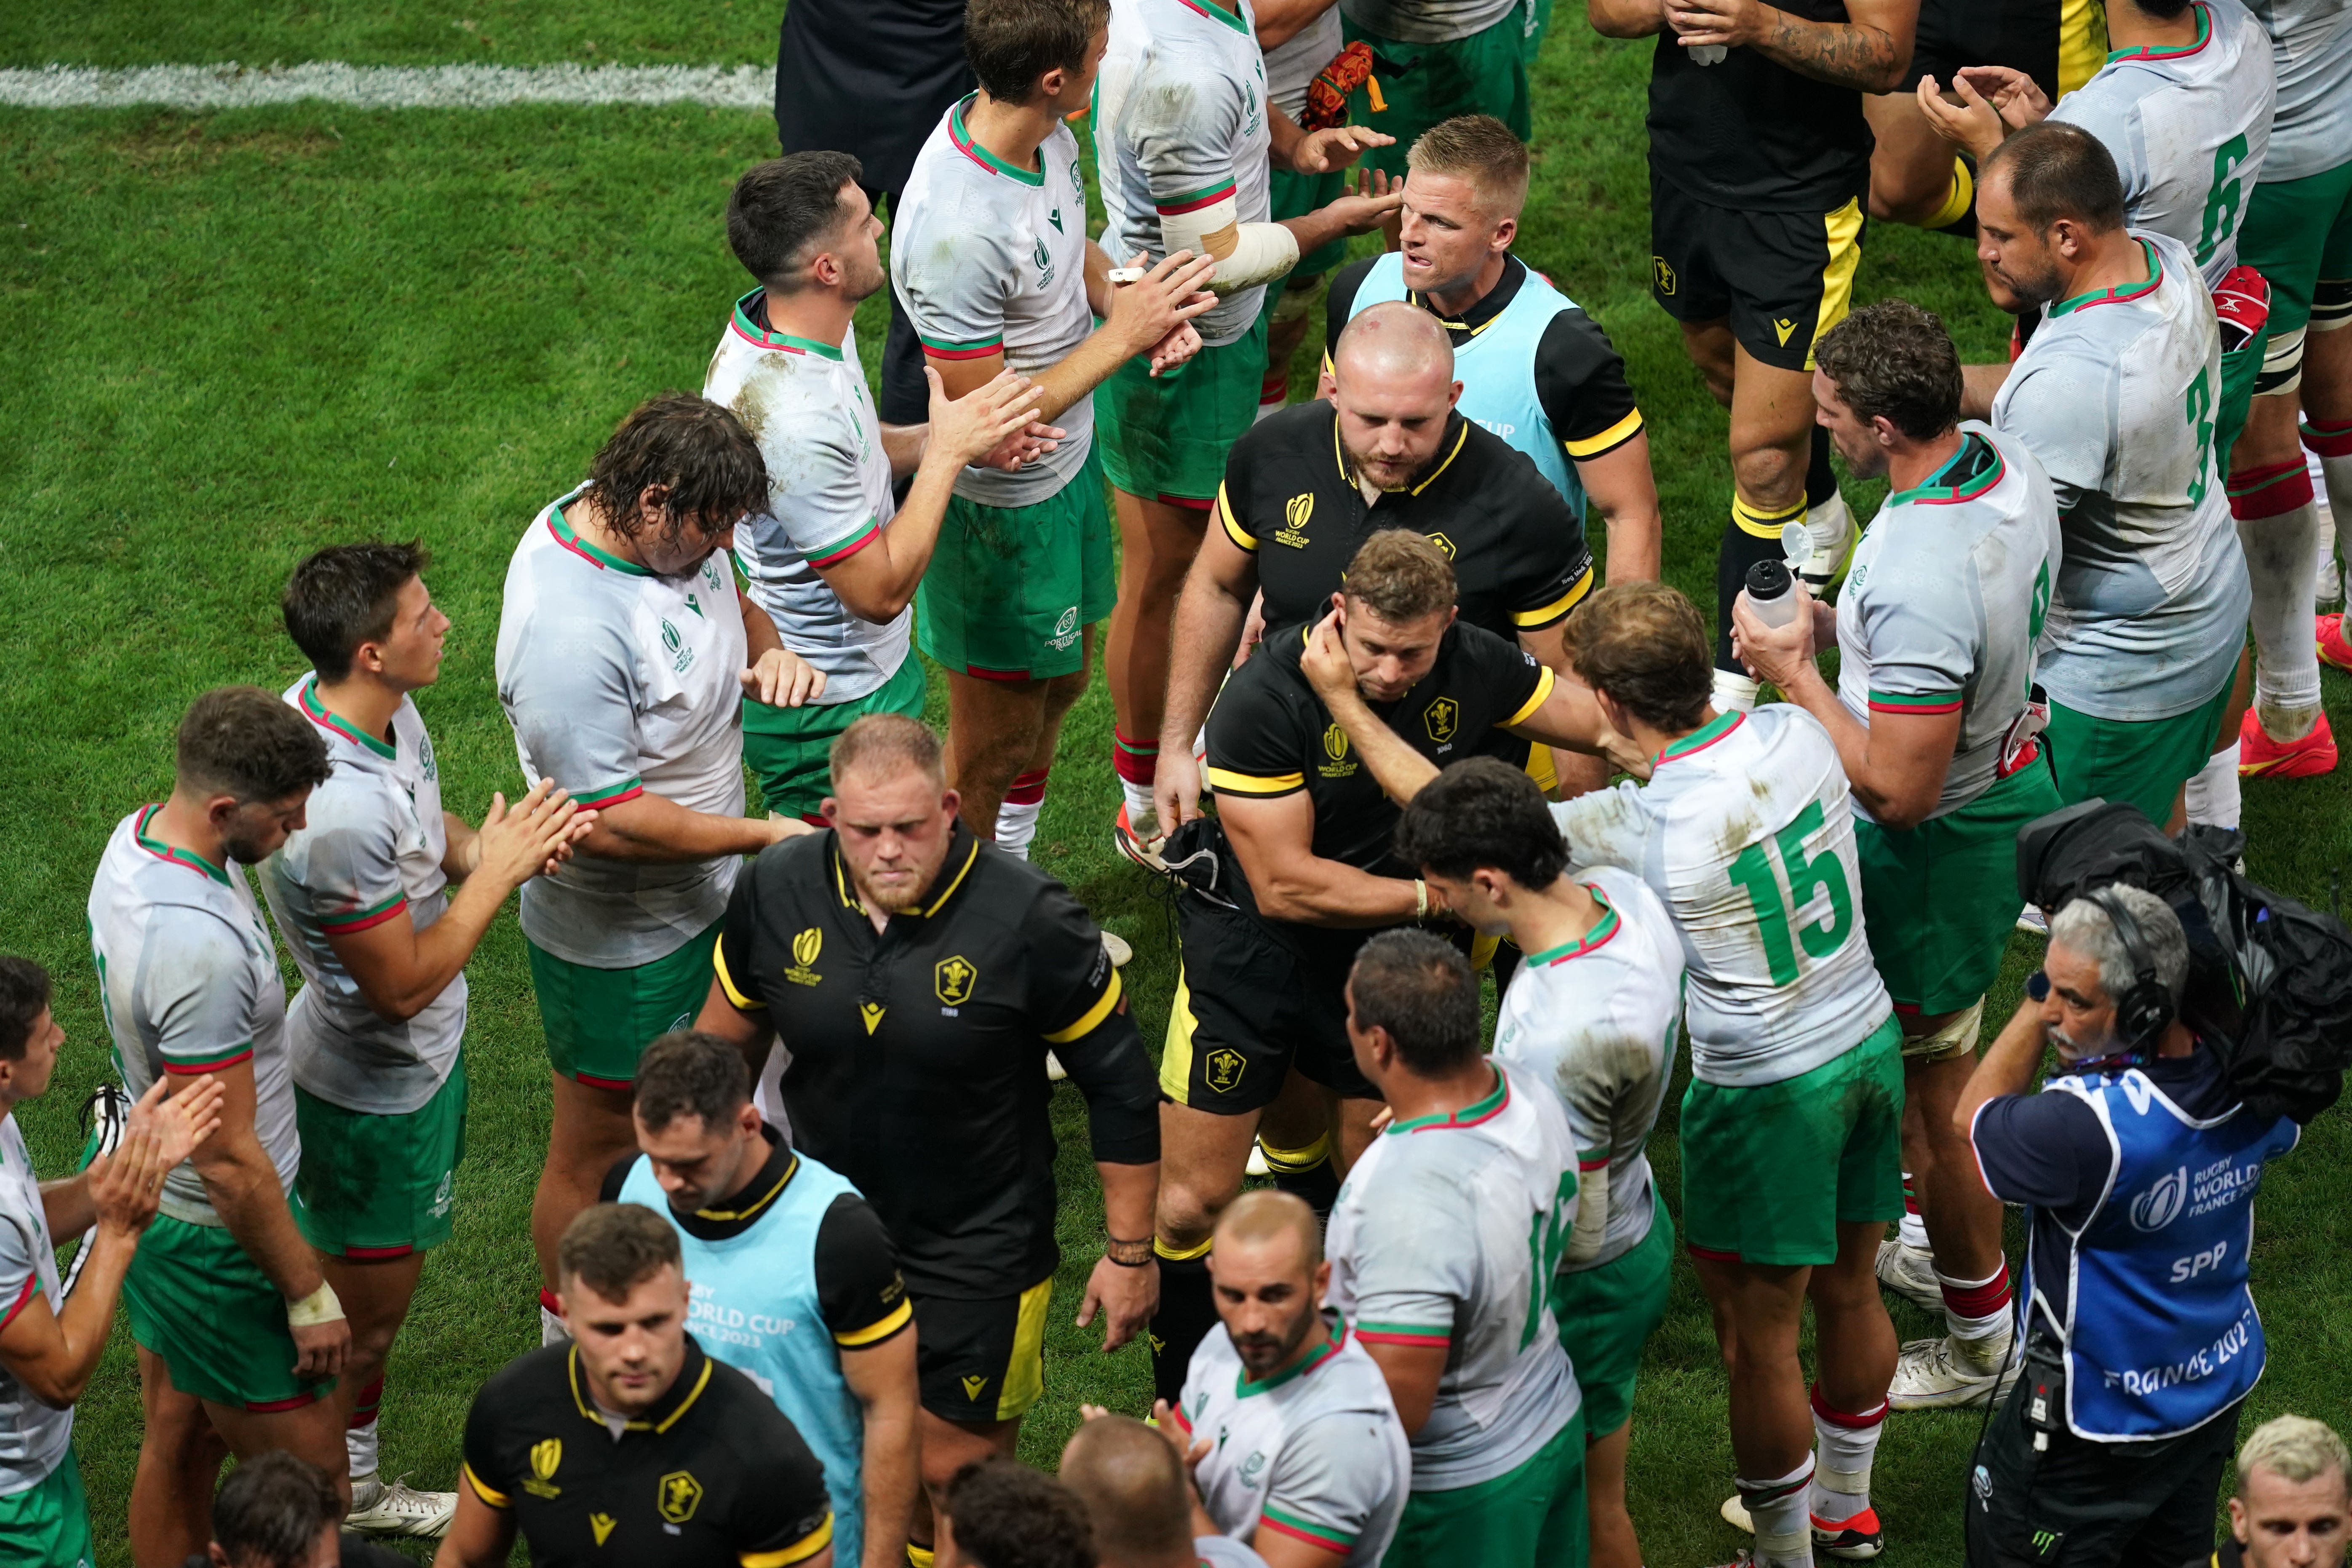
(1752, 872)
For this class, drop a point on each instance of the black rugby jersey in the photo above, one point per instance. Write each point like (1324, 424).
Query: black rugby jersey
(1291, 499)
(1752, 135)
(918, 1053)
(1579, 375)
(712, 1474)
(1270, 735)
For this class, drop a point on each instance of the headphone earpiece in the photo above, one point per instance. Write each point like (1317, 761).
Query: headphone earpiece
(2145, 1010)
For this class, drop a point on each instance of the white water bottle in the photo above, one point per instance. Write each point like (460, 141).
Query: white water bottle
(1772, 593)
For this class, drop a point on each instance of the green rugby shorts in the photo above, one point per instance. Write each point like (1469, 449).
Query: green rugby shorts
(376, 1185)
(1607, 1315)
(598, 1021)
(1533, 1515)
(46, 1525)
(2144, 762)
(1423, 84)
(206, 1309)
(1165, 437)
(790, 749)
(1012, 590)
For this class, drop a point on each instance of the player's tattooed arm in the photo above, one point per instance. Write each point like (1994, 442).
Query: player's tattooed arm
(1868, 53)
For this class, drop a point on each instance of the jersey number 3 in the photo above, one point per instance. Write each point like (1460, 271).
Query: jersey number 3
(1752, 871)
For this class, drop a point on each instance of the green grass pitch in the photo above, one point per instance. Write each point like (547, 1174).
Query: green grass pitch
(228, 339)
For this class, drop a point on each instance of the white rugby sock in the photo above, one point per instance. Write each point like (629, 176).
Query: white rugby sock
(1828, 523)
(1913, 1232)
(1016, 819)
(1784, 1536)
(1976, 1309)
(2279, 527)
(2214, 791)
(1843, 1446)
(359, 1449)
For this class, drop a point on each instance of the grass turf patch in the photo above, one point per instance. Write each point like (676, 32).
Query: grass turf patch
(227, 339)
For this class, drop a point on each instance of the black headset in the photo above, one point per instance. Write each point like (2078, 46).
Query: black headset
(2146, 1009)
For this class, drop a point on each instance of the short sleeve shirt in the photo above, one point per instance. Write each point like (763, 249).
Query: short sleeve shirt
(369, 852)
(1430, 1246)
(1292, 67)
(33, 1436)
(829, 494)
(990, 258)
(2311, 49)
(619, 682)
(189, 980)
(713, 1473)
(1290, 498)
(1269, 735)
(2189, 128)
(1945, 601)
(1180, 123)
(1744, 832)
(2116, 395)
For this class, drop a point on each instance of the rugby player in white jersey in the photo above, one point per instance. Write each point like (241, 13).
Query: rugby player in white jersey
(2116, 395)
(990, 261)
(1935, 724)
(363, 895)
(49, 1345)
(624, 655)
(1591, 1014)
(240, 1335)
(1185, 144)
(831, 558)
(2298, 232)
(1286, 1418)
(1791, 1126)
(1443, 1245)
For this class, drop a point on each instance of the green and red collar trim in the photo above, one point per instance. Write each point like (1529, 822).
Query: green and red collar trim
(2121, 294)
(1471, 1115)
(750, 331)
(565, 535)
(1323, 1356)
(1700, 739)
(1602, 930)
(319, 714)
(176, 856)
(1216, 14)
(2174, 51)
(981, 155)
(1938, 490)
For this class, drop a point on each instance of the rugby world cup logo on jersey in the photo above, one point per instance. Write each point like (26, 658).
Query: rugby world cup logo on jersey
(1044, 261)
(2161, 1204)
(805, 947)
(545, 1456)
(682, 657)
(1295, 514)
(1335, 747)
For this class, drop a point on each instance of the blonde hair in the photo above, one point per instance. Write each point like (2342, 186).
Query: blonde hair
(2293, 1447)
(1480, 149)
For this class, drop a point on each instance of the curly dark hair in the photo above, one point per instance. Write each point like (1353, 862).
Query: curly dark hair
(1482, 812)
(695, 452)
(1894, 359)
(1007, 1515)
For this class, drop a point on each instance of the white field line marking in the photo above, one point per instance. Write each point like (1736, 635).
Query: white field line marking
(233, 86)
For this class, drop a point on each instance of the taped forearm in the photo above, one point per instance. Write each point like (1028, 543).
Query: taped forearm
(1248, 254)
(1591, 1215)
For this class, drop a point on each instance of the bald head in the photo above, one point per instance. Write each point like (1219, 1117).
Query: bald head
(1132, 1484)
(1267, 1214)
(1392, 343)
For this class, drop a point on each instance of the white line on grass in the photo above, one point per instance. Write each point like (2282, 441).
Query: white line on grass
(234, 85)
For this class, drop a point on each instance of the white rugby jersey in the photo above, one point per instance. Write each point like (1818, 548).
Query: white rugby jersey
(806, 405)
(189, 980)
(619, 682)
(1427, 21)
(2310, 50)
(370, 852)
(2116, 395)
(1447, 1234)
(34, 1436)
(1315, 1453)
(1945, 599)
(1292, 67)
(1180, 123)
(2188, 128)
(988, 258)
(1594, 1021)
(1744, 832)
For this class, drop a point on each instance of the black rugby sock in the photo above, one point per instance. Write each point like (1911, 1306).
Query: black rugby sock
(1187, 1312)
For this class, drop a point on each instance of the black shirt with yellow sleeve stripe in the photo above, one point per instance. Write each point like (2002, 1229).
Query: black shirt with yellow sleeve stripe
(1291, 498)
(918, 1053)
(712, 1474)
(1270, 735)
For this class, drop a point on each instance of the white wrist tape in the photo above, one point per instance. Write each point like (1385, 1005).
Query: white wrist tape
(320, 1306)
(1248, 254)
